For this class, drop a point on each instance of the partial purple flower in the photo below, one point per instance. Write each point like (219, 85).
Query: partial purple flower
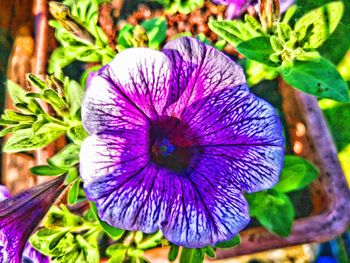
(31, 255)
(20, 215)
(235, 8)
(4, 193)
(175, 139)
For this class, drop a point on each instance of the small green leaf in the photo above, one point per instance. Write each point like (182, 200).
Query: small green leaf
(283, 31)
(258, 49)
(151, 241)
(273, 210)
(17, 116)
(192, 255)
(173, 252)
(26, 139)
(77, 133)
(73, 193)
(46, 170)
(72, 175)
(236, 31)
(229, 243)
(40, 122)
(125, 37)
(318, 24)
(66, 158)
(114, 233)
(36, 81)
(74, 92)
(276, 44)
(297, 173)
(117, 251)
(289, 14)
(45, 240)
(56, 101)
(4, 122)
(319, 78)
(6, 131)
(17, 93)
(210, 251)
(138, 237)
(90, 252)
(156, 31)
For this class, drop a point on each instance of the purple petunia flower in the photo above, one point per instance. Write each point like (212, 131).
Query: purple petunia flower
(20, 215)
(175, 138)
(235, 8)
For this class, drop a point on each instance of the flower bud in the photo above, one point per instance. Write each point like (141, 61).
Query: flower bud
(269, 13)
(62, 14)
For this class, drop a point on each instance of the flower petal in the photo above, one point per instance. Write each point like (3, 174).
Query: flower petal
(141, 76)
(139, 195)
(238, 128)
(202, 212)
(4, 193)
(105, 154)
(106, 110)
(198, 70)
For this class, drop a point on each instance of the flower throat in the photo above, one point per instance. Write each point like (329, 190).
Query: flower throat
(170, 146)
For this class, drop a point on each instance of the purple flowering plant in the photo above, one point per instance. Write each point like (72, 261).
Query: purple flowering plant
(168, 146)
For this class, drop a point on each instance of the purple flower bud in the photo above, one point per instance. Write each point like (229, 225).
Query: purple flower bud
(21, 214)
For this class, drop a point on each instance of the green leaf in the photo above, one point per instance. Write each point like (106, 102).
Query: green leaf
(156, 31)
(77, 133)
(17, 93)
(74, 93)
(45, 240)
(72, 175)
(36, 81)
(276, 44)
(297, 173)
(62, 217)
(26, 139)
(192, 255)
(173, 252)
(114, 233)
(337, 39)
(73, 193)
(258, 49)
(273, 210)
(151, 241)
(46, 170)
(56, 101)
(6, 131)
(283, 31)
(125, 37)
(210, 251)
(319, 78)
(66, 158)
(17, 116)
(90, 252)
(229, 31)
(229, 243)
(318, 24)
(117, 252)
(256, 72)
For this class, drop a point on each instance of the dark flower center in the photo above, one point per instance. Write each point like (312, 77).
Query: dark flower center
(171, 144)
